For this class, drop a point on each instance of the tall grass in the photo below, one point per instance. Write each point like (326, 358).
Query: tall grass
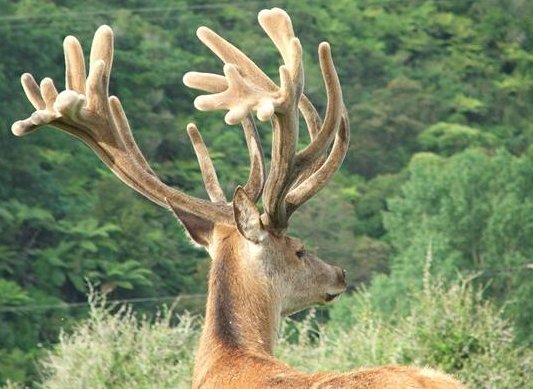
(448, 327)
(451, 328)
(115, 348)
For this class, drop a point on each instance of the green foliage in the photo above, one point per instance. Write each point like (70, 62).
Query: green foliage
(450, 138)
(14, 364)
(372, 202)
(474, 211)
(452, 328)
(12, 294)
(116, 348)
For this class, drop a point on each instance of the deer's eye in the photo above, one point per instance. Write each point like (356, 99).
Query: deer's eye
(300, 253)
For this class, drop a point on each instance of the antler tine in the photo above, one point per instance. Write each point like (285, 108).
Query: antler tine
(281, 169)
(333, 111)
(212, 186)
(323, 173)
(228, 53)
(256, 178)
(74, 65)
(277, 25)
(313, 122)
(216, 84)
(33, 91)
(86, 111)
(248, 88)
(311, 117)
(245, 88)
(126, 135)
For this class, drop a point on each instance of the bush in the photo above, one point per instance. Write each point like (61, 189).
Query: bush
(475, 211)
(449, 327)
(115, 349)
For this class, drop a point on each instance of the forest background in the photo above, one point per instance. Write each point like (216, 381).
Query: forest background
(440, 165)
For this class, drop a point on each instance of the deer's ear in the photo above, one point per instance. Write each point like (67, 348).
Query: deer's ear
(198, 229)
(247, 217)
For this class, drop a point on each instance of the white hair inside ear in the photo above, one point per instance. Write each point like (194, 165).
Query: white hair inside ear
(247, 217)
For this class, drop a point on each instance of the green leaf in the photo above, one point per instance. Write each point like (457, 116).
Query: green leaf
(78, 282)
(6, 215)
(89, 246)
(58, 277)
(12, 294)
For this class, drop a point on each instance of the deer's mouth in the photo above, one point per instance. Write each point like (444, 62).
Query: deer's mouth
(330, 297)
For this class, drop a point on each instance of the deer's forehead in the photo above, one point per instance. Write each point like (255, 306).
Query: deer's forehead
(287, 241)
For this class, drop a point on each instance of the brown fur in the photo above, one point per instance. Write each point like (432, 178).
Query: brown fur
(243, 311)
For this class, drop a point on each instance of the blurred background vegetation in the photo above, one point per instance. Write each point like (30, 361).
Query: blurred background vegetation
(440, 162)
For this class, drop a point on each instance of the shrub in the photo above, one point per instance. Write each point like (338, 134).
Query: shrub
(115, 349)
(451, 328)
(448, 327)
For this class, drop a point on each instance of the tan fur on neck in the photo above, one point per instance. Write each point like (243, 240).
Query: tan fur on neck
(243, 312)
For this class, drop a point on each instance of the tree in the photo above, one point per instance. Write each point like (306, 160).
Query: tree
(475, 213)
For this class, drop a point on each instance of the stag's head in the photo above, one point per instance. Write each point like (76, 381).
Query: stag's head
(271, 262)
(298, 279)
(265, 255)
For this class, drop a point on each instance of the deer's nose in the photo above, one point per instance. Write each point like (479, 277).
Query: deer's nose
(341, 274)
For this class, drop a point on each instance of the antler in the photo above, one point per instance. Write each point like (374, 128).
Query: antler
(86, 111)
(294, 177)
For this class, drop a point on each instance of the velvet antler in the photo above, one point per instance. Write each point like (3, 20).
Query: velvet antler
(294, 177)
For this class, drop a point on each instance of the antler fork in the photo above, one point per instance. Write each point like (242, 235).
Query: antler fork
(85, 110)
(294, 177)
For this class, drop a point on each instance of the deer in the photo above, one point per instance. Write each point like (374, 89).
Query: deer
(258, 273)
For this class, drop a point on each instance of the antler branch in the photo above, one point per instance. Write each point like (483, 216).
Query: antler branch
(86, 111)
(244, 88)
(333, 111)
(212, 186)
(256, 178)
(321, 173)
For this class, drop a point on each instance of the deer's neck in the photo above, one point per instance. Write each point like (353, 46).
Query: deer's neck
(240, 313)
(241, 316)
